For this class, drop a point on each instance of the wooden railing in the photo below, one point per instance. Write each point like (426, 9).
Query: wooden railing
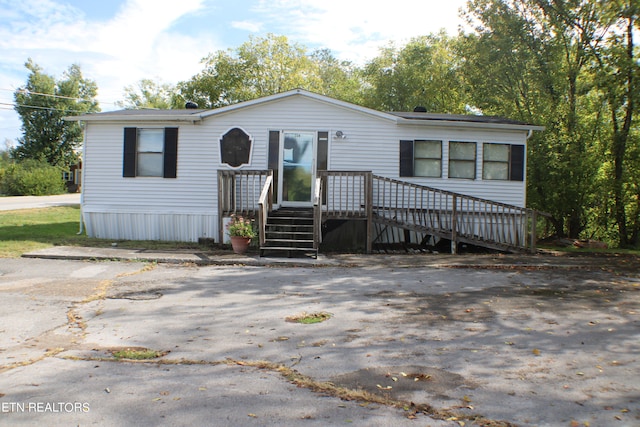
(265, 206)
(239, 193)
(396, 203)
(453, 216)
(317, 214)
(448, 215)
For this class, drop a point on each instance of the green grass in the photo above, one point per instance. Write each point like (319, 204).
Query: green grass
(309, 318)
(27, 230)
(138, 354)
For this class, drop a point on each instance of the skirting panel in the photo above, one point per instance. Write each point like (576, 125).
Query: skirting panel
(178, 227)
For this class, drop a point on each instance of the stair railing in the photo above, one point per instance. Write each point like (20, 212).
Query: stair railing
(265, 205)
(317, 214)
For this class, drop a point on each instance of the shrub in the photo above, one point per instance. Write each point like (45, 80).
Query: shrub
(31, 178)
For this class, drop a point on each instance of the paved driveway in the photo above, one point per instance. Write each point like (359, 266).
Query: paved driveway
(405, 344)
(29, 202)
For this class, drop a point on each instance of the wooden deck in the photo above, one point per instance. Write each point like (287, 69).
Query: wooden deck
(361, 195)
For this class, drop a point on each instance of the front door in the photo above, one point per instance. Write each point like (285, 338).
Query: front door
(297, 168)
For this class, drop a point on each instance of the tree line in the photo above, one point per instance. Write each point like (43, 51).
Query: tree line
(569, 65)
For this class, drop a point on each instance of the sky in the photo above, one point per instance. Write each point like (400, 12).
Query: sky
(119, 42)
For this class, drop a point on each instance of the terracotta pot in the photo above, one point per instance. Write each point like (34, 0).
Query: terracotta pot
(240, 244)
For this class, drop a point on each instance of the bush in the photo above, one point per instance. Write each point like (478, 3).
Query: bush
(31, 178)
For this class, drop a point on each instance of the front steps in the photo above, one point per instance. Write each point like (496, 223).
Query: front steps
(289, 231)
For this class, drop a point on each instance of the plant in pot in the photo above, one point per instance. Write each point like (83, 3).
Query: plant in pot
(241, 231)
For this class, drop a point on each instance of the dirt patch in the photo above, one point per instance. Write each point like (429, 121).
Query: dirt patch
(149, 294)
(402, 382)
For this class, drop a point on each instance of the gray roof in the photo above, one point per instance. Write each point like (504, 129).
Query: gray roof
(457, 118)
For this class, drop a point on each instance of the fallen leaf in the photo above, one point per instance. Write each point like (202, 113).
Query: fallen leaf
(394, 378)
(384, 388)
(403, 374)
(202, 388)
(156, 399)
(536, 352)
(164, 393)
(252, 415)
(466, 398)
(508, 342)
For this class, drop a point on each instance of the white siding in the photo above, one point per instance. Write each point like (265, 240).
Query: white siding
(185, 208)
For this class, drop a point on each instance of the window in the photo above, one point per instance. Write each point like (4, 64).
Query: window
(427, 159)
(235, 148)
(462, 160)
(421, 158)
(503, 162)
(150, 152)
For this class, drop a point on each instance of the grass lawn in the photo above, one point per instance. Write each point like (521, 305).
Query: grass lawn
(30, 229)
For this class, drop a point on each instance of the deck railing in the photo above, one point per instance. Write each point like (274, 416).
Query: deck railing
(396, 203)
(453, 216)
(239, 193)
(448, 215)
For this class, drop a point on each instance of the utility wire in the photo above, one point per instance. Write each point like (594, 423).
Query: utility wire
(28, 92)
(39, 108)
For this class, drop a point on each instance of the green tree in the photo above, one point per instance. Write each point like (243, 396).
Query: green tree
(266, 66)
(526, 62)
(425, 72)
(42, 105)
(148, 94)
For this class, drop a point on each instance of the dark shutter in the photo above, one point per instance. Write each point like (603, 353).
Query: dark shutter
(129, 158)
(273, 162)
(406, 158)
(322, 161)
(170, 152)
(517, 163)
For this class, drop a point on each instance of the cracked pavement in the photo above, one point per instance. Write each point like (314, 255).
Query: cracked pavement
(495, 343)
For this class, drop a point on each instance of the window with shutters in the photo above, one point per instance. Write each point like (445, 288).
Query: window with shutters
(150, 152)
(503, 162)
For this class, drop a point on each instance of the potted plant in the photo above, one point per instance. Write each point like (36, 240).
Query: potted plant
(241, 231)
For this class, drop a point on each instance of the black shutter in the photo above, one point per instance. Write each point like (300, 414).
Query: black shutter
(406, 158)
(274, 160)
(129, 158)
(322, 161)
(517, 163)
(170, 152)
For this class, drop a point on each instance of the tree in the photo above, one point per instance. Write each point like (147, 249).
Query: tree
(42, 105)
(266, 66)
(527, 61)
(149, 94)
(425, 72)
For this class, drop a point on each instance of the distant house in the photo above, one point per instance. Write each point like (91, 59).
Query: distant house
(73, 177)
(296, 161)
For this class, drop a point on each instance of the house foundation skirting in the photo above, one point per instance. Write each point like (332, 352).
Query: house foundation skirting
(166, 226)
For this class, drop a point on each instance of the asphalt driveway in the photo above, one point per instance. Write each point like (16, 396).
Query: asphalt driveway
(407, 343)
(10, 203)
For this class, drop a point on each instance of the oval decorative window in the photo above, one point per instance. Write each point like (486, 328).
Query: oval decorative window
(235, 148)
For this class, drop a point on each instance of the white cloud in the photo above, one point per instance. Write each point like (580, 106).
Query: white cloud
(356, 29)
(252, 27)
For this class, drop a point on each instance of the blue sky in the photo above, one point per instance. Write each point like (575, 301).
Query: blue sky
(119, 42)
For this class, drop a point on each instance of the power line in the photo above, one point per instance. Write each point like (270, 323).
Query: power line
(37, 108)
(28, 92)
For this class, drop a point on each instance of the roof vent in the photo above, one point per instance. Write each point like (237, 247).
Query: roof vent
(420, 109)
(190, 105)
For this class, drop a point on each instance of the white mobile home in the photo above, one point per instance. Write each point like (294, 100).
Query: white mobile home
(175, 174)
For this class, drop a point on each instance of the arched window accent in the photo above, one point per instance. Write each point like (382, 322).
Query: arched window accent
(235, 148)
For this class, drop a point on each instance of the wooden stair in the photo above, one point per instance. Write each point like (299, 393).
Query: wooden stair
(289, 231)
